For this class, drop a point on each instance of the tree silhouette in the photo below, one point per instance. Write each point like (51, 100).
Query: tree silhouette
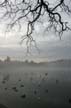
(33, 12)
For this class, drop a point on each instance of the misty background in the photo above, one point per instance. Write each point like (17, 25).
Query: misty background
(50, 46)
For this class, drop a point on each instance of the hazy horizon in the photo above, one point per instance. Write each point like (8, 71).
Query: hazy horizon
(49, 50)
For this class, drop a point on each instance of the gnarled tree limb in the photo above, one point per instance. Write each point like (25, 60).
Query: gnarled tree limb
(33, 10)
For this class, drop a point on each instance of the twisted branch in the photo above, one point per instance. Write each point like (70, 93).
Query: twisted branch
(32, 11)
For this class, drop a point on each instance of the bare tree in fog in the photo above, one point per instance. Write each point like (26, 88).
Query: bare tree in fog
(33, 12)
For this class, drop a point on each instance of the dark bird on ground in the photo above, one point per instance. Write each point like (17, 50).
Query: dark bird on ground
(23, 96)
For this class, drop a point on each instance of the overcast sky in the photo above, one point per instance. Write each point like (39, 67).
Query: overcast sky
(49, 45)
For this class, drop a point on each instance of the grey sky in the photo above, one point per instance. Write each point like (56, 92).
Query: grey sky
(50, 46)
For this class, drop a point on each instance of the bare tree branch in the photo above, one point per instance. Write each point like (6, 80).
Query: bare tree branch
(32, 11)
